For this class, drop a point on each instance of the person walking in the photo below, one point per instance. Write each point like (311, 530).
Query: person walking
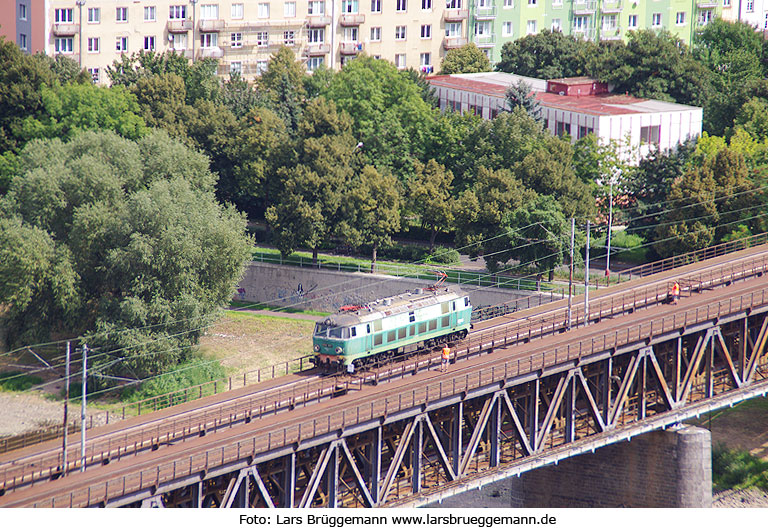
(675, 293)
(446, 358)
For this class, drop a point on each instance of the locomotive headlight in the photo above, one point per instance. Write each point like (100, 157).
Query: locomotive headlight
(317, 348)
(339, 350)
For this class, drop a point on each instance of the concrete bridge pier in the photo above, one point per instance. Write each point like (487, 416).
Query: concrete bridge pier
(662, 469)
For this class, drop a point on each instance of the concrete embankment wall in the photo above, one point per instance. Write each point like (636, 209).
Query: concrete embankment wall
(327, 290)
(662, 469)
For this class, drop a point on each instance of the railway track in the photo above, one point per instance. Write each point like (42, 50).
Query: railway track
(180, 424)
(202, 454)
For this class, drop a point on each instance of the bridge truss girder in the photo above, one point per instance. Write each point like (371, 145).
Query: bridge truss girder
(508, 428)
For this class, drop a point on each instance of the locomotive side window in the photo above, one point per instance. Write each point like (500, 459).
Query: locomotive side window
(338, 332)
(391, 336)
(412, 330)
(354, 331)
(377, 339)
(401, 333)
(377, 325)
(368, 328)
(466, 301)
(422, 328)
(446, 321)
(432, 325)
(444, 307)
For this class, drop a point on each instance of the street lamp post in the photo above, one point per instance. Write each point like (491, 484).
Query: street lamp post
(194, 24)
(80, 4)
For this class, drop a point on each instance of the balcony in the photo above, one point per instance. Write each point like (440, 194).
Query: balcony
(317, 49)
(610, 34)
(584, 8)
(449, 43)
(485, 41)
(351, 48)
(215, 53)
(178, 26)
(455, 15)
(612, 6)
(65, 30)
(211, 25)
(485, 13)
(318, 21)
(349, 19)
(706, 4)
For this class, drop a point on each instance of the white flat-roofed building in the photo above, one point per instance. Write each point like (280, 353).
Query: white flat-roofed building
(577, 107)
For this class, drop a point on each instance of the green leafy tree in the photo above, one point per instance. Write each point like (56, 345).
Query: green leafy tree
(283, 86)
(467, 59)
(64, 69)
(307, 212)
(124, 242)
(430, 198)
(482, 210)
(370, 211)
(318, 82)
(547, 55)
(239, 96)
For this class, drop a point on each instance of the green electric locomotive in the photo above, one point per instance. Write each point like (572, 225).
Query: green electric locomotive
(378, 331)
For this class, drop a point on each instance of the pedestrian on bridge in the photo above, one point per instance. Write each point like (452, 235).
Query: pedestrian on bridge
(675, 293)
(446, 358)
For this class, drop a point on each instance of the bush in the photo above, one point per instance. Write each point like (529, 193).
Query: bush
(17, 382)
(193, 372)
(443, 256)
(737, 469)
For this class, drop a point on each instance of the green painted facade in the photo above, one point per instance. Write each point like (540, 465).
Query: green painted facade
(491, 23)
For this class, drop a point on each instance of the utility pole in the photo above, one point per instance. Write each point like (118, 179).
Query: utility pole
(194, 6)
(82, 408)
(610, 224)
(80, 4)
(586, 282)
(66, 420)
(570, 275)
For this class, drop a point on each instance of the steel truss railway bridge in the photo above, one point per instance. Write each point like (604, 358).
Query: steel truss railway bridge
(511, 402)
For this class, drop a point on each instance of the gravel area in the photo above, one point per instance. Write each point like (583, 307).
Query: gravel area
(750, 498)
(29, 412)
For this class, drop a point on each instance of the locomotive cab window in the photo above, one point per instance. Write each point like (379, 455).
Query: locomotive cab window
(454, 306)
(368, 328)
(466, 302)
(353, 331)
(411, 317)
(444, 307)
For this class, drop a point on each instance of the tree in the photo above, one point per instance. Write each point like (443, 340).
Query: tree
(239, 96)
(467, 59)
(429, 191)
(124, 243)
(307, 212)
(283, 86)
(521, 95)
(547, 55)
(370, 211)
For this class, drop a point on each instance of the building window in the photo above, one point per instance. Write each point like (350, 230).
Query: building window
(22, 11)
(632, 22)
(726, 3)
(765, 22)
(506, 28)
(350, 34)
(235, 67)
(562, 128)
(426, 5)
(179, 41)
(94, 15)
(557, 3)
(262, 39)
(509, 4)
(656, 20)
(453, 4)
(177, 12)
(313, 63)
(63, 45)
(62, 16)
(375, 34)
(263, 10)
(236, 40)
(400, 60)
(261, 67)
(23, 41)
(399, 33)
(425, 62)
(650, 134)
(530, 27)
(532, 2)
(94, 72)
(209, 11)
(705, 17)
(557, 25)
(289, 9)
(349, 6)
(750, 6)
(482, 28)
(121, 44)
(580, 24)
(121, 14)
(453, 29)
(609, 22)
(375, 6)
(237, 11)
(426, 31)
(209, 40)
(149, 42)
(401, 5)
(150, 14)
(289, 37)
(316, 7)
(93, 45)
(584, 131)
(680, 18)
(316, 36)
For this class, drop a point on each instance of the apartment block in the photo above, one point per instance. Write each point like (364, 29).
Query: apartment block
(242, 35)
(494, 22)
(23, 22)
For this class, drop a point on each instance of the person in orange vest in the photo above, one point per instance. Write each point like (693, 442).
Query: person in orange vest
(675, 293)
(446, 358)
